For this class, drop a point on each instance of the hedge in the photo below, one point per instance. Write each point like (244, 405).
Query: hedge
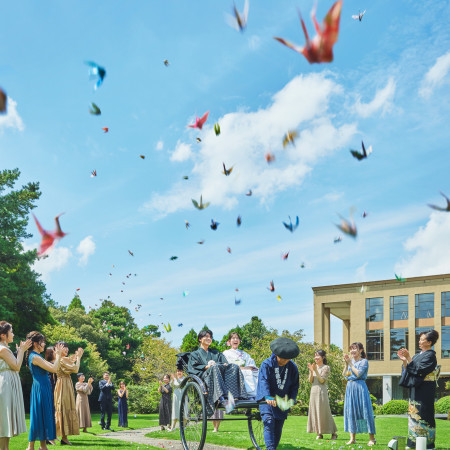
(395, 407)
(442, 406)
(143, 399)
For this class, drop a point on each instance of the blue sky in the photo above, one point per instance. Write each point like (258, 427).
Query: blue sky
(388, 85)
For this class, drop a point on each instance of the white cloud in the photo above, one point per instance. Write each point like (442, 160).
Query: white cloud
(330, 197)
(12, 118)
(182, 152)
(382, 101)
(159, 145)
(85, 248)
(303, 104)
(429, 247)
(55, 261)
(435, 76)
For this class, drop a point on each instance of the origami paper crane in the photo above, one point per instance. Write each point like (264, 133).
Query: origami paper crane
(96, 71)
(199, 122)
(320, 48)
(49, 238)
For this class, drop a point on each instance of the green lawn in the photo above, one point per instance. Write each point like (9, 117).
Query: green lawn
(235, 434)
(93, 439)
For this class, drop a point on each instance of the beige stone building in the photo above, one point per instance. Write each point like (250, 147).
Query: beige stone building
(385, 316)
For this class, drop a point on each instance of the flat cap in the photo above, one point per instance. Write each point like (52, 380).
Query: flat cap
(284, 348)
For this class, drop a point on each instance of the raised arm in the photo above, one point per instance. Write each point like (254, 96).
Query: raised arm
(8, 356)
(48, 366)
(364, 367)
(323, 374)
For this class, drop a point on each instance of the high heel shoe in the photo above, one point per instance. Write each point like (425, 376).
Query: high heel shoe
(65, 442)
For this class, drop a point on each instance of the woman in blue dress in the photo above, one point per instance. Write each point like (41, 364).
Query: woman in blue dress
(42, 418)
(122, 404)
(358, 410)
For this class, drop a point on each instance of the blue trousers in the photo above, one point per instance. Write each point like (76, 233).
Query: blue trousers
(272, 431)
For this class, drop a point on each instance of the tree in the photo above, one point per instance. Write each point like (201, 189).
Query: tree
(23, 297)
(151, 330)
(190, 342)
(76, 304)
(157, 358)
(123, 336)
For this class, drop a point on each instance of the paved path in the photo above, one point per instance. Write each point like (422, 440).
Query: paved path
(138, 437)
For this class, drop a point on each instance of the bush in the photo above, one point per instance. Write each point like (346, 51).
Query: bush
(395, 407)
(337, 408)
(299, 410)
(442, 406)
(144, 399)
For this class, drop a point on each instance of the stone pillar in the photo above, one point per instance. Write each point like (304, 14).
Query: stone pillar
(345, 335)
(326, 326)
(387, 388)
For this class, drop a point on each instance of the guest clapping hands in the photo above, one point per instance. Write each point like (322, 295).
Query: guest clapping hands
(11, 397)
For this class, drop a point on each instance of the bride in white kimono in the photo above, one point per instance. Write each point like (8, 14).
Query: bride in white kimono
(244, 361)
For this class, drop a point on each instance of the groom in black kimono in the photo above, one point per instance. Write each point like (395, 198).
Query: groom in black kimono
(106, 404)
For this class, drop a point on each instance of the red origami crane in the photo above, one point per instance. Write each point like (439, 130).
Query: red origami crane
(199, 122)
(320, 49)
(49, 237)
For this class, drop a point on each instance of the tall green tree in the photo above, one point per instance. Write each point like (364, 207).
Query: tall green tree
(76, 303)
(124, 337)
(23, 297)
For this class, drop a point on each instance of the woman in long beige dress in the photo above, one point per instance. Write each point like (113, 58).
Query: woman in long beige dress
(12, 412)
(82, 405)
(66, 416)
(320, 420)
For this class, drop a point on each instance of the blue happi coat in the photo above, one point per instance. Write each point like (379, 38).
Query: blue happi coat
(268, 387)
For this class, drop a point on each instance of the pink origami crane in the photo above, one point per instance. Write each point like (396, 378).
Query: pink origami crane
(200, 122)
(49, 237)
(320, 49)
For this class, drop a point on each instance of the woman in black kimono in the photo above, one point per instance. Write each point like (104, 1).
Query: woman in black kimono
(418, 376)
(165, 404)
(219, 376)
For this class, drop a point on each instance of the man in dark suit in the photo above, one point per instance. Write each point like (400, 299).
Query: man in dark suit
(105, 400)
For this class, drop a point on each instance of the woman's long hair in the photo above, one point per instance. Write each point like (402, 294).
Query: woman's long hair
(35, 338)
(359, 346)
(323, 354)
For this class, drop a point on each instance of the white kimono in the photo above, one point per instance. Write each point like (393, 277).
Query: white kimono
(243, 359)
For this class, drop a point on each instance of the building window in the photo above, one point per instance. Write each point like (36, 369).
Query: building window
(418, 331)
(445, 342)
(374, 345)
(424, 306)
(445, 304)
(399, 307)
(399, 339)
(374, 309)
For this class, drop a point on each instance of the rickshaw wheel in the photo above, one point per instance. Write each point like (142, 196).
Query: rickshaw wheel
(193, 417)
(256, 429)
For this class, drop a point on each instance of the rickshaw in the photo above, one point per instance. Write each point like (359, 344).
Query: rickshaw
(194, 417)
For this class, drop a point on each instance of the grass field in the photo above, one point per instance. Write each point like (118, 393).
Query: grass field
(235, 434)
(93, 439)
